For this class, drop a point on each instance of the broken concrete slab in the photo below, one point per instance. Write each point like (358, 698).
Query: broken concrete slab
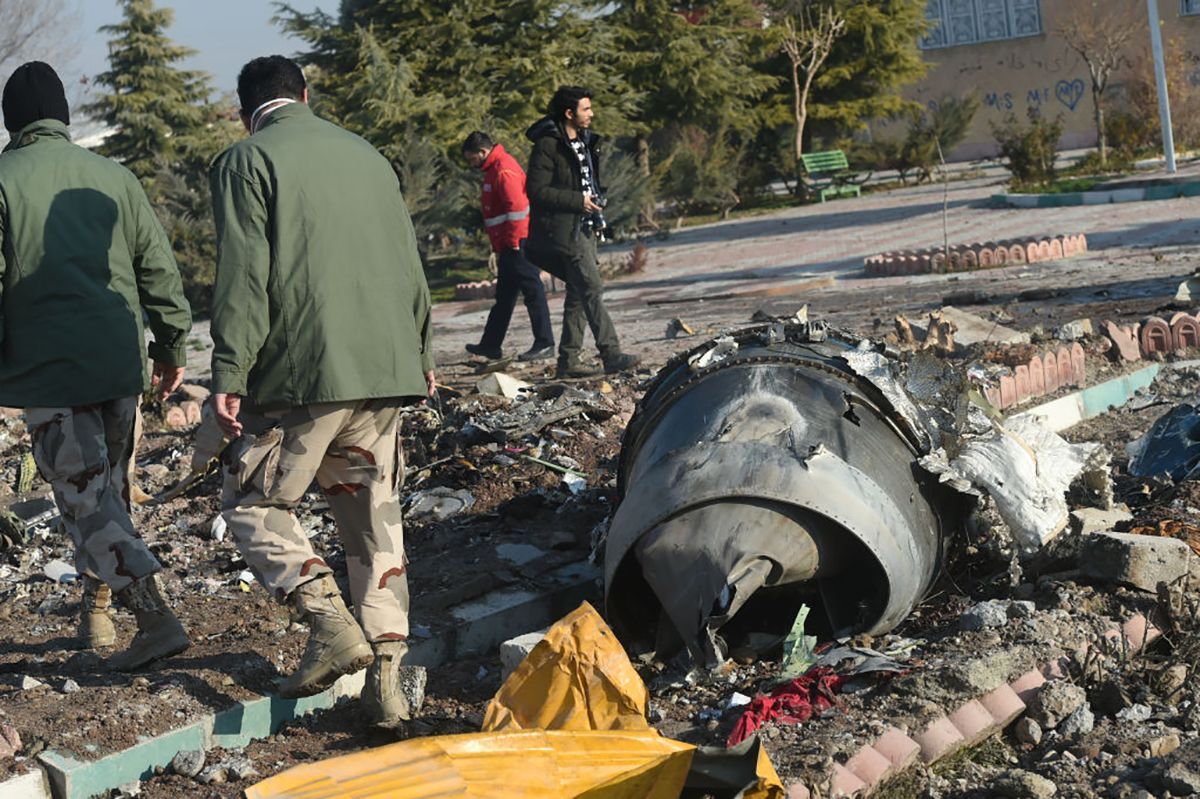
(501, 385)
(1141, 561)
(974, 329)
(1085, 521)
(514, 650)
(519, 554)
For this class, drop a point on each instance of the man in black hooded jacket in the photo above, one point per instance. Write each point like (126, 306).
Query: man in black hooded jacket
(564, 188)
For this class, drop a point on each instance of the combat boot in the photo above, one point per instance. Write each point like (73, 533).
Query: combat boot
(383, 702)
(336, 644)
(159, 632)
(95, 624)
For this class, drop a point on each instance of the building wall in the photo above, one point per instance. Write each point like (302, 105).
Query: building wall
(1011, 75)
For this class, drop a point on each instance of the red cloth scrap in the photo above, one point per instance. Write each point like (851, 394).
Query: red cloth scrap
(793, 702)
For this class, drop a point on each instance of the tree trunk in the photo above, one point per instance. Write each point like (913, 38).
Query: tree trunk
(1102, 137)
(642, 145)
(799, 110)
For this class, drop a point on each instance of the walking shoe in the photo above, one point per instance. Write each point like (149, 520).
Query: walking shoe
(336, 644)
(621, 362)
(159, 632)
(384, 702)
(537, 354)
(484, 352)
(576, 370)
(95, 624)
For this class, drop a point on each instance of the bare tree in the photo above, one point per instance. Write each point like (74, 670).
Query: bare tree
(1100, 33)
(810, 30)
(32, 29)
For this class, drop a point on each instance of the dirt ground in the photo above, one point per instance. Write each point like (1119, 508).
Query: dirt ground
(241, 638)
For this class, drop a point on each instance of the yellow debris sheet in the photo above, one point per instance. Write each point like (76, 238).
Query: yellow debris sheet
(569, 723)
(535, 764)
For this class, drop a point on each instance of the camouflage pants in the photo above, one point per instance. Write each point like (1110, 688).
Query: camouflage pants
(84, 453)
(351, 449)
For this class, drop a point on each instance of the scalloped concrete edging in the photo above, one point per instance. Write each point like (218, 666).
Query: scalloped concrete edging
(1170, 191)
(1068, 411)
(970, 724)
(481, 625)
(972, 257)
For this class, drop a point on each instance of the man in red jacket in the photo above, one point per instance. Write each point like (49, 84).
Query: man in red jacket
(506, 218)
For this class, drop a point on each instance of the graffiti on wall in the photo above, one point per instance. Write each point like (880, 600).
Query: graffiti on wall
(1067, 93)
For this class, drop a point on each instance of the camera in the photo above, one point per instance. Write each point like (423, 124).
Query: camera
(596, 221)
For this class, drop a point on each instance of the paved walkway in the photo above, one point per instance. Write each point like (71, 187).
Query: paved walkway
(796, 245)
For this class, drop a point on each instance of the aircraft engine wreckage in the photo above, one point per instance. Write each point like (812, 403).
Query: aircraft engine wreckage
(787, 464)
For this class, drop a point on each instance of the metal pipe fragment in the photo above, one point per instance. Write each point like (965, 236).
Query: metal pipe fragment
(760, 473)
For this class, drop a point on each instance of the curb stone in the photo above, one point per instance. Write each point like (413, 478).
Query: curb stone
(31, 785)
(1149, 193)
(967, 725)
(482, 625)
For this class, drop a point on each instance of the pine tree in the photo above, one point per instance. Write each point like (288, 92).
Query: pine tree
(160, 113)
(869, 64)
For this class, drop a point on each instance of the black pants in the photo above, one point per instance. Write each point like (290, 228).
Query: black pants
(583, 307)
(518, 276)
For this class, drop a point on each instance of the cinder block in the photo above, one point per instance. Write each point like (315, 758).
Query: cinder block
(970, 260)
(987, 258)
(1017, 254)
(974, 722)
(1056, 249)
(1044, 250)
(1142, 561)
(1155, 336)
(1069, 247)
(1032, 253)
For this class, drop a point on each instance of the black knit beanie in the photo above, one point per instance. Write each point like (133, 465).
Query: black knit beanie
(34, 92)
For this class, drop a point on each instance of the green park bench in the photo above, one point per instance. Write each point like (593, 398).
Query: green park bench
(828, 174)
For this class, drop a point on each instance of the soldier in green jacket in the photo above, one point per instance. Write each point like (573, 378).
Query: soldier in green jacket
(83, 259)
(321, 327)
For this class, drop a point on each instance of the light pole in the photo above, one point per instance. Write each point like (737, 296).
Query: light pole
(1160, 74)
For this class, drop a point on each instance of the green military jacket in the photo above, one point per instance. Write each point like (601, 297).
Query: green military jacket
(83, 257)
(320, 295)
